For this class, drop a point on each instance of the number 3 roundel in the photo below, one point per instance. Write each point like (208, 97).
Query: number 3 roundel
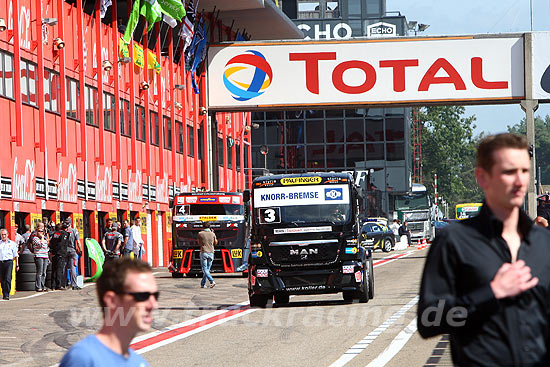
(269, 215)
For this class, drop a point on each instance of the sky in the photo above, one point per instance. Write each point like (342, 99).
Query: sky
(465, 17)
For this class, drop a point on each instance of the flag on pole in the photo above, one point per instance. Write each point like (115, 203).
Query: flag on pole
(152, 12)
(169, 20)
(103, 7)
(172, 8)
(187, 29)
(198, 35)
(199, 53)
(132, 22)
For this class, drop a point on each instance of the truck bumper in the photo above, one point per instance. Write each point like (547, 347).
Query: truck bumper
(188, 262)
(266, 280)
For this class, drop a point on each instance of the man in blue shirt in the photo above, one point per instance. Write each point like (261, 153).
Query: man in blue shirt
(128, 245)
(128, 294)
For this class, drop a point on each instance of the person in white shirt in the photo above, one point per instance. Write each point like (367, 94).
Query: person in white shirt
(135, 238)
(8, 253)
(395, 229)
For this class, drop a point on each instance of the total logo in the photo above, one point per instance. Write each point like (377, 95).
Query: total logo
(247, 75)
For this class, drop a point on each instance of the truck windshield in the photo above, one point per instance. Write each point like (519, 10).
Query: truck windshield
(412, 202)
(336, 214)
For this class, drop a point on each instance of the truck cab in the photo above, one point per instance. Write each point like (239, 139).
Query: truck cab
(304, 239)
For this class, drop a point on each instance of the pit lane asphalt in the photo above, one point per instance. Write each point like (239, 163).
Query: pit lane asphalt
(309, 331)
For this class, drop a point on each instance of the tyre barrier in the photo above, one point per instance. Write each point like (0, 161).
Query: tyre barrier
(26, 276)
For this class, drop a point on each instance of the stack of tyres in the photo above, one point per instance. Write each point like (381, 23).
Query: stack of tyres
(26, 276)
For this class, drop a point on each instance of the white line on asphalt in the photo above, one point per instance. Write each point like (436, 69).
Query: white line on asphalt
(395, 346)
(192, 332)
(188, 322)
(393, 258)
(366, 341)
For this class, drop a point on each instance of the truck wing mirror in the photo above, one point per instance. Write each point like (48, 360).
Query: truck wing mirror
(246, 196)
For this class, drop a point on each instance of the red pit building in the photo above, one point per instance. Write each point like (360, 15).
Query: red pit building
(91, 134)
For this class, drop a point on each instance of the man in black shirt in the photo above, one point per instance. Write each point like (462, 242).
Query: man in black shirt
(59, 243)
(486, 280)
(403, 230)
(112, 239)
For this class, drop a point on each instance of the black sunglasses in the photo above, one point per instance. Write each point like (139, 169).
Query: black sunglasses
(143, 296)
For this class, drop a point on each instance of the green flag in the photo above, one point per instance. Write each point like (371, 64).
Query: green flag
(172, 8)
(132, 23)
(96, 254)
(152, 12)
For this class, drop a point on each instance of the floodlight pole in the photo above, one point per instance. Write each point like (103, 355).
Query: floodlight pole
(530, 105)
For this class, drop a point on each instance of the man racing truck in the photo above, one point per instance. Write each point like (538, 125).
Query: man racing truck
(304, 239)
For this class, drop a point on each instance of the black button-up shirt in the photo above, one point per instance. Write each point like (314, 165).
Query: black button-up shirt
(456, 297)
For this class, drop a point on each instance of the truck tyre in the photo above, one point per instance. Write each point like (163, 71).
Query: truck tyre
(258, 300)
(282, 298)
(363, 292)
(371, 279)
(388, 245)
(177, 275)
(348, 296)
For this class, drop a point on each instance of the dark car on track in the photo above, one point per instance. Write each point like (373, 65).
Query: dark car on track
(439, 225)
(377, 235)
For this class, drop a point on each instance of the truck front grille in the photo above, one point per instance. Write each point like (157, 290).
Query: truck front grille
(296, 255)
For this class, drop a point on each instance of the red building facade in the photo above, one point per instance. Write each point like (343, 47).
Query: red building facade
(90, 135)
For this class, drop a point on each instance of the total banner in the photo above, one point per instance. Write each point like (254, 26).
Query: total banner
(541, 65)
(366, 71)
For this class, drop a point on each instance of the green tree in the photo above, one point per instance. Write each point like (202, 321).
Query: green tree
(542, 144)
(448, 150)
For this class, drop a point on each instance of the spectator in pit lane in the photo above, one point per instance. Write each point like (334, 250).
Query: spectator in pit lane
(41, 259)
(8, 253)
(395, 229)
(111, 242)
(207, 240)
(24, 249)
(19, 240)
(73, 251)
(128, 294)
(403, 230)
(135, 238)
(59, 243)
(127, 246)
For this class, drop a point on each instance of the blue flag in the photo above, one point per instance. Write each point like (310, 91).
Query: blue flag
(199, 54)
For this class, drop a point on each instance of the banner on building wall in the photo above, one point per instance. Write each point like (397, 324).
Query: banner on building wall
(103, 184)
(79, 223)
(35, 219)
(143, 217)
(67, 183)
(139, 59)
(169, 222)
(406, 71)
(24, 180)
(541, 65)
(134, 188)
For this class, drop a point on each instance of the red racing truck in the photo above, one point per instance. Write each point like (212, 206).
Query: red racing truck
(227, 213)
